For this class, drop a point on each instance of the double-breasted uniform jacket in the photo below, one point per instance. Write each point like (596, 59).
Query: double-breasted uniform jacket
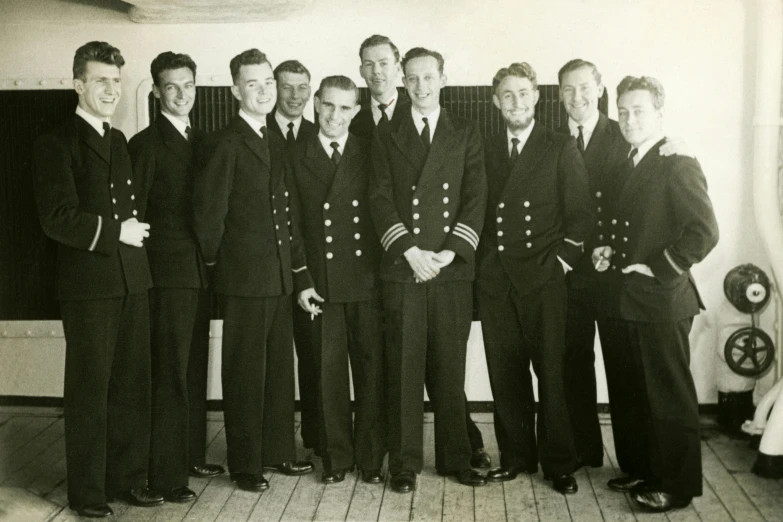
(306, 128)
(663, 218)
(435, 201)
(604, 157)
(343, 251)
(164, 162)
(363, 124)
(85, 184)
(540, 211)
(245, 214)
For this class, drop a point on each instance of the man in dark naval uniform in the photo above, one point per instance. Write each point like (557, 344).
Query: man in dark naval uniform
(89, 203)
(165, 159)
(286, 120)
(332, 170)
(427, 198)
(380, 68)
(661, 225)
(538, 218)
(246, 228)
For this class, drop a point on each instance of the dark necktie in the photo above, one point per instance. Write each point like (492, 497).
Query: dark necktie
(188, 133)
(107, 138)
(580, 140)
(425, 134)
(631, 156)
(290, 139)
(514, 150)
(262, 132)
(336, 154)
(384, 118)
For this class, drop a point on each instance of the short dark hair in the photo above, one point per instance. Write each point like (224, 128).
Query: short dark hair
(644, 83)
(291, 66)
(167, 61)
(337, 82)
(575, 64)
(521, 70)
(95, 52)
(419, 52)
(378, 39)
(249, 57)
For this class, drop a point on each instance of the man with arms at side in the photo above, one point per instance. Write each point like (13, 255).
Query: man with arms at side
(332, 170)
(86, 195)
(661, 225)
(164, 158)
(380, 68)
(286, 120)
(243, 222)
(538, 218)
(427, 198)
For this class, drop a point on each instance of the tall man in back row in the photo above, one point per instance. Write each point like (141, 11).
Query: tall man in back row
(662, 224)
(245, 222)
(538, 218)
(89, 202)
(380, 67)
(165, 159)
(427, 198)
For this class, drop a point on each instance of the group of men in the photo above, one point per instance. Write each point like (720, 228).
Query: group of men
(363, 237)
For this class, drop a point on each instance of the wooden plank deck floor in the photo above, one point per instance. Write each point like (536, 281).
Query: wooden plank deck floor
(32, 486)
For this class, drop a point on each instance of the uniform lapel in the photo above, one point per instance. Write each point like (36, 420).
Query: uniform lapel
(407, 140)
(93, 140)
(173, 140)
(271, 124)
(348, 168)
(639, 176)
(443, 143)
(316, 161)
(252, 140)
(536, 146)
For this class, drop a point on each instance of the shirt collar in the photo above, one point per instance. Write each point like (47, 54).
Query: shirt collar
(326, 143)
(522, 136)
(95, 123)
(645, 147)
(254, 123)
(178, 124)
(283, 122)
(588, 127)
(376, 111)
(432, 120)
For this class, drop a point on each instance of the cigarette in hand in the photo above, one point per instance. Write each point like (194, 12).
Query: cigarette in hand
(600, 258)
(312, 316)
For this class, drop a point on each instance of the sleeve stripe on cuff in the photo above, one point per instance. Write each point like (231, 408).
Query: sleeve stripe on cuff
(470, 240)
(392, 230)
(97, 235)
(394, 238)
(467, 231)
(668, 256)
(581, 244)
(297, 270)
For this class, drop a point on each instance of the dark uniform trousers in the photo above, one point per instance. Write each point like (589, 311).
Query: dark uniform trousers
(426, 341)
(85, 189)
(256, 356)
(352, 330)
(106, 397)
(179, 324)
(516, 329)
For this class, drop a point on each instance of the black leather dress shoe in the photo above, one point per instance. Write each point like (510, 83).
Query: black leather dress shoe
(505, 473)
(250, 481)
(206, 470)
(293, 468)
(403, 482)
(334, 476)
(658, 501)
(565, 484)
(625, 484)
(142, 497)
(467, 477)
(480, 458)
(181, 494)
(93, 510)
(372, 476)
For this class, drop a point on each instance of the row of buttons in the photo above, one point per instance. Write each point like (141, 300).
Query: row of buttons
(328, 223)
(417, 230)
(277, 227)
(114, 200)
(528, 232)
(625, 240)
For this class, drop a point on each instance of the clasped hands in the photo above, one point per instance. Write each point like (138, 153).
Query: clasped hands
(134, 233)
(426, 264)
(602, 258)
